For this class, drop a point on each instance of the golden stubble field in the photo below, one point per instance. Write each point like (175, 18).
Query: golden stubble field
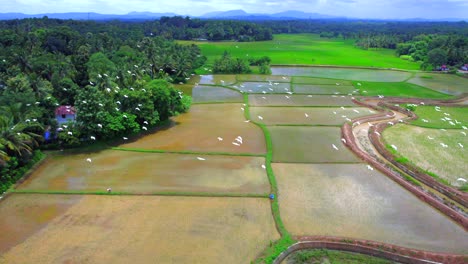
(199, 129)
(142, 173)
(134, 229)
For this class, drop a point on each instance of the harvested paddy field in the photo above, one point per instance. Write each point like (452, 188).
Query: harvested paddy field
(343, 73)
(145, 173)
(423, 147)
(309, 145)
(444, 83)
(323, 116)
(199, 129)
(135, 229)
(211, 94)
(323, 89)
(299, 100)
(351, 201)
(263, 87)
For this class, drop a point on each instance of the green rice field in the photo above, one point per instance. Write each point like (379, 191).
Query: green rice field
(441, 117)
(306, 49)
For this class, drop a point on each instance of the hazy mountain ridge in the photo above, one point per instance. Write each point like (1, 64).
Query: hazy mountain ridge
(230, 14)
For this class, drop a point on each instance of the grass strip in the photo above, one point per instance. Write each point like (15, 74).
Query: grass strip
(192, 194)
(286, 240)
(187, 152)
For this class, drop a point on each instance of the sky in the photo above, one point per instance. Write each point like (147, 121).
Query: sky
(383, 9)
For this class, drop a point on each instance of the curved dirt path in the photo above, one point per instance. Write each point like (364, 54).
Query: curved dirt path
(363, 137)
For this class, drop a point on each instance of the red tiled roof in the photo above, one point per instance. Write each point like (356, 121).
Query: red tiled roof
(65, 110)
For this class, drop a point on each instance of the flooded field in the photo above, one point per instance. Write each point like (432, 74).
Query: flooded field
(423, 147)
(445, 83)
(351, 201)
(219, 79)
(263, 87)
(210, 94)
(263, 78)
(324, 116)
(323, 89)
(300, 100)
(309, 145)
(344, 73)
(134, 229)
(199, 130)
(135, 172)
(317, 81)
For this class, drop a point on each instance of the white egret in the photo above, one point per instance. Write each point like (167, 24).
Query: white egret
(460, 144)
(235, 143)
(99, 125)
(200, 158)
(394, 147)
(263, 166)
(220, 138)
(124, 138)
(306, 115)
(344, 140)
(370, 167)
(93, 137)
(144, 128)
(430, 138)
(70, 133)
(334, 146)
(260, 117)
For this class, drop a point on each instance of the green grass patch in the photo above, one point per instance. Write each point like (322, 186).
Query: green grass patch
(305, 49)
(441, 117)
(398, 89)
(332, 257)
(275, 249)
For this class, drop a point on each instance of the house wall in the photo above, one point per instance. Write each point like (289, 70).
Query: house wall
(67, 118)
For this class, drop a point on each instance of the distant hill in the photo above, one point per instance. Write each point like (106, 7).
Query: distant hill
(231, 14)
(90, 16)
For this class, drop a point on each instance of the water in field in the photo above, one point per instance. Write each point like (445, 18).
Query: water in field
(218, 79)
(199, 129)
(263, 87)
(262, 78)
(142, 173)
(445, 83)
(318, 81)
(344, 73)
(210, 94)
(324, 89)
(300, 100)
(322, 116)
(309, 145)
(350, 200)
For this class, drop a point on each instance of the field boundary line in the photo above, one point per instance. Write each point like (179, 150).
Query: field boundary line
(214, 153)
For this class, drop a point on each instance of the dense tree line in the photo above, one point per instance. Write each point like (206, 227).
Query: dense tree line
(117, 80)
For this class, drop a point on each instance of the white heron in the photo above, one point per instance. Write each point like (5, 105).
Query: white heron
(144, 128)
(263, 166)
(99, 125)
(200, 158)
(89, 160)
(377, 133)
(124, 138)
(306, 115)
(70, 133)
(247, 121)
(145, 122)
(460, 144)
(334, 146)
(235, 143)
(463, 132)
(356, 111)
(93, 137)
(220, 138)
(462, 179)
(260, 117)
(394, 147)
(430, 138)
(370, 167)
(344, 140)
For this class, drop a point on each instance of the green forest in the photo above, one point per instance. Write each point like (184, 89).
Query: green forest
(118, 75)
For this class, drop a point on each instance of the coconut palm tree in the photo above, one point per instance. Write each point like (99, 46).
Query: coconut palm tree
(17, 139)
